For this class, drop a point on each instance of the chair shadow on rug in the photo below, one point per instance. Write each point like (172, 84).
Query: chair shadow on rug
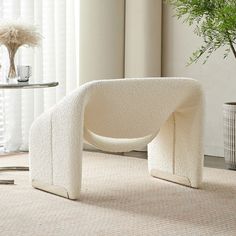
(161, 200)
(165, 114)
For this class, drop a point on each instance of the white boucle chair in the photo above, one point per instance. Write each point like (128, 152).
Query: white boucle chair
(119, 116)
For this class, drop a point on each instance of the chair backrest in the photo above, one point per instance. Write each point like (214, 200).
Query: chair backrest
(132, 108)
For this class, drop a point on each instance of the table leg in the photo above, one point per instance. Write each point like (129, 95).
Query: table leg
(12, 168)
(7, 181)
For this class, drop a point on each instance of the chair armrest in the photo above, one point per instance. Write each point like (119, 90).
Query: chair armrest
(56, 143)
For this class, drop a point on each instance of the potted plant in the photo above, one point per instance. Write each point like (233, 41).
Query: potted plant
(215, 22)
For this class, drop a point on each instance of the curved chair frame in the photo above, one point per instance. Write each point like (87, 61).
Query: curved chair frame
(119, 116)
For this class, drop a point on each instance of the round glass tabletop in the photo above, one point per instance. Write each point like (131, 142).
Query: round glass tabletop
(26, 85)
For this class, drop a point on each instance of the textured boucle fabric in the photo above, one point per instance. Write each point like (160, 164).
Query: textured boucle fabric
(119, 198)
(120, 116)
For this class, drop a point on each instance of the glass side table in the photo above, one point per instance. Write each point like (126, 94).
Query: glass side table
(21, 85)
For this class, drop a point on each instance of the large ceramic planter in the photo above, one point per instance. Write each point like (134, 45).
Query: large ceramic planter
(229, 114)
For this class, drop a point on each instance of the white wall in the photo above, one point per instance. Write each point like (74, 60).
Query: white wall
(218, 76)
(101, 39)
(143, 38)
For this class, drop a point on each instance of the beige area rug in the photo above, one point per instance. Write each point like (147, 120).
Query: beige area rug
(120, 198)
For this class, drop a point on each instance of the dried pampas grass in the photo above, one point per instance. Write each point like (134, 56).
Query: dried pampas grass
(15, 35)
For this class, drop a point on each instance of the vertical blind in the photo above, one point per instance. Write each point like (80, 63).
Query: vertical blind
(56, 59)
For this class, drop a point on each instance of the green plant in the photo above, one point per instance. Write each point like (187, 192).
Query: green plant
(214, 21)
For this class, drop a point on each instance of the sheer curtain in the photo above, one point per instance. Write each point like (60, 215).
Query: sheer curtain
(55, 60)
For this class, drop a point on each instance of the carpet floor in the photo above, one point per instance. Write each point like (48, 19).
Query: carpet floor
(119, 198)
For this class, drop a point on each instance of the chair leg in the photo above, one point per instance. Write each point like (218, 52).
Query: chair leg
(50, 188)
(176, 153)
